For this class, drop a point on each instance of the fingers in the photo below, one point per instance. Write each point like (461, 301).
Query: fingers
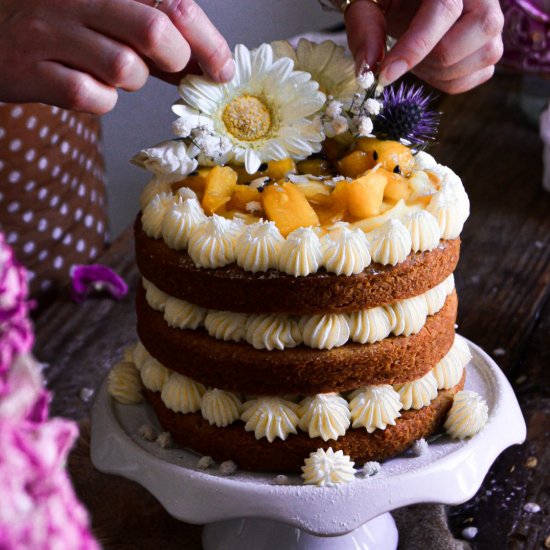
(430, 23)
(70, 89)
(366, 30)
(108, 61)
(460, 85)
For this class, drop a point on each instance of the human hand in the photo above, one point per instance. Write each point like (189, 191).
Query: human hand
(76, 54)
(453, 45)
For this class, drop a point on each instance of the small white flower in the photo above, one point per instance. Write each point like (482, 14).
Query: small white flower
(366, 79)
(168, 157)
(373, 106)
(336, 126)
(364, 127)
(334, 109)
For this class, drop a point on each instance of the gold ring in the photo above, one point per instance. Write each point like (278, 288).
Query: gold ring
(159, 2)
(383, 5)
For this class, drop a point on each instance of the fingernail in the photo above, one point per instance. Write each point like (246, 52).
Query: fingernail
(227, 71)
(392, 72)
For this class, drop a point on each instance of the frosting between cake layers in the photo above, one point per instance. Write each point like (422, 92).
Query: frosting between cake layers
(124, 383)
(320, 331)
(448, 371)
(323, 415)
(418, 393)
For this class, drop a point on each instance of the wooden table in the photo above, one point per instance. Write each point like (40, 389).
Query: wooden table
(503, 281)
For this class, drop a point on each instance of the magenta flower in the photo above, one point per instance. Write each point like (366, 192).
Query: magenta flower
(87, 279)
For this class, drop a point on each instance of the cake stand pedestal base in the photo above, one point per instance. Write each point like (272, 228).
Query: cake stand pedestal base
(262, 534)
(251, 510)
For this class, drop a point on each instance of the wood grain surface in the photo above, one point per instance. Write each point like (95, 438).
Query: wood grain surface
(503, 281)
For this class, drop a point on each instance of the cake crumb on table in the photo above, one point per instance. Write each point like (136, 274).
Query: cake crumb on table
(499, 352)
(419, 447)
(281, 479)
(531, 507)
(228, 468)
(86, 394)
(165, 440)
(469, 533)
(205, 462)
(147, 432)
(369, 469)
(531, 462)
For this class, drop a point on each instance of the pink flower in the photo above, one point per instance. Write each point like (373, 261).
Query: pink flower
(87, 279)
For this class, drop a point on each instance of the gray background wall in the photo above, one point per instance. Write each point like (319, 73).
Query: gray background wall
(144, 118)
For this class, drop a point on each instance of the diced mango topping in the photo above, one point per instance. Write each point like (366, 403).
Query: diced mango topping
(288, 207)
(278, 169)
(393, 156)
(355, 164)
(221, 182)
(243, 195)
(365, 194)
(315, 167)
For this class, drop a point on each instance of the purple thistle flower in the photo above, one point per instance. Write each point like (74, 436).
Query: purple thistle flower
(87, 279)
(406, 116)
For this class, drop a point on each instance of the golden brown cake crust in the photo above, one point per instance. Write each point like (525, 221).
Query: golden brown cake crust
(234, 443)
(233, 289)
(241, 368)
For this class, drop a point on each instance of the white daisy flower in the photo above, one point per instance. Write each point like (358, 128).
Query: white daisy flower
(262, 114)
(327, 63)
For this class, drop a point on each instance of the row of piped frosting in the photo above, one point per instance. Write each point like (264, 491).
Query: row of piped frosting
(343, 249)
(328, 416)
(321, 331)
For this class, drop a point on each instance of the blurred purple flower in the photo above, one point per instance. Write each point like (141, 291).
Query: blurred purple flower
(87, 279)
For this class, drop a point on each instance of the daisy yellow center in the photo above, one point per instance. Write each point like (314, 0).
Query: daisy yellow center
(247, 118)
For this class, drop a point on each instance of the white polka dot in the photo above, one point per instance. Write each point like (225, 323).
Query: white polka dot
(93, 252)
(56, 170)
(2, 132)
(30, 276)
(55, 110)
(93, 195)
(42, 163)
(42, 225)
(17, 111)
(12, 237)
(45, 284)
(42, 193)
(28, 247)
(15, 145)
(13, 207)
(79, 128)
(54, 201)
(14, 176)
(88, 220)
(29, 155)
(30, 185)
(43, 254)
(57, 232)
(86, 134)
(54, 139)
(64, 209)
(64, 147)
(93, 137)
(99, 226)
(28, 216)
(78, 214)
(1, 196)
(31, 122)
(80, 245)
(74, 182)
(65, 178)
(2, 165)
(44, 131)
(88, 164)
(58, 262)
(74, 154)
(72, 122)
(81, 190)
(64, 116)
(67, 239)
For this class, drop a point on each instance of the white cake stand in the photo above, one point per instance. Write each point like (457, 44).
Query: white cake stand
(250, 511)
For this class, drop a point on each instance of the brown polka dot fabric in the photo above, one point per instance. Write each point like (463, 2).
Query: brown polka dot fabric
(52, 192)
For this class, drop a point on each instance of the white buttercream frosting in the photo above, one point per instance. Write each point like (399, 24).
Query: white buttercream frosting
(139, 355)
(154, 212)
(153, 374)
(258, 247)
(158, 185)
(345, 251)
(328, 468)
(128, 353)
(226, 325)
(424, 161)
(270, 417)
(266, 331)
(180, 221)
(374, 407)
(451, 208)
(370, 325)
(184, 315)
(155, 297)
(410, 315)
(424, 231)
(420, 185)
(417, 393)
(467, 416)
(212, 243)
(124, 383)
(300, 254)
(436, 296)
(448, 371)
(391, 243)
(182, 394)
(325, 331)
(449, 283)
(220, 407)
(325, 415)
